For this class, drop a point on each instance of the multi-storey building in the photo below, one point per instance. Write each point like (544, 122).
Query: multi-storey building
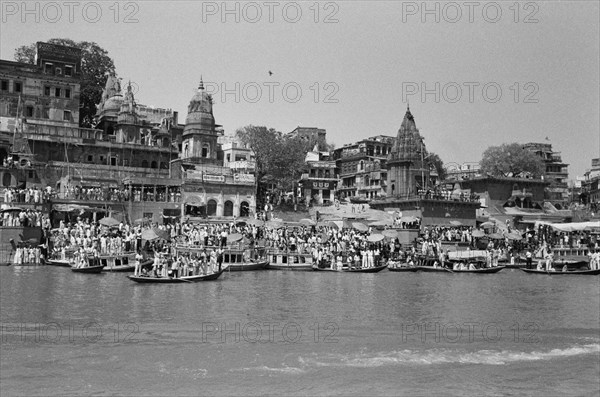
(308, 133)
(556, 172)
(137, 149)
(589, 186)
(361, 167)
(319, 181)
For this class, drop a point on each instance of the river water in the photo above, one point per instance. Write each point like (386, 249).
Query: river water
(299, 333)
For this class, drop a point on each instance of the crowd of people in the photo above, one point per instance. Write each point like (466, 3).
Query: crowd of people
(32, 195)
(24, 218)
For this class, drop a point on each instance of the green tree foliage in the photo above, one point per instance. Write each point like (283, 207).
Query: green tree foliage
(510, 160)
(95, 67)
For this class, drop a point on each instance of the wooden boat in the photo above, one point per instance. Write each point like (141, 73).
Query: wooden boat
(280, 260)
(239, 259)
(118, 263)
(482, 270)
(353, 270)
(399, 266)
(92, 265)
(58, 262)
(426, 268)
(171, 280)
(236, 258)
(561, 273)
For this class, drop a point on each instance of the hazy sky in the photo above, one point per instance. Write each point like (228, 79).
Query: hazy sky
(356, 64)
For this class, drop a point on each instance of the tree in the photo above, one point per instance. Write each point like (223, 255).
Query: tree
(279, 159)
(510, 160)
(436, 162)
(95, 67)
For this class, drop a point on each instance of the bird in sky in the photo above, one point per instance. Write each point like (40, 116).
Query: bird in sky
(270, 73)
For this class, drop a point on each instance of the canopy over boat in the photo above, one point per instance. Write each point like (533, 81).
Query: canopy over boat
(576, 226)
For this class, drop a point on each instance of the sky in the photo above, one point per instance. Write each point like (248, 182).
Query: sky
(476, 74)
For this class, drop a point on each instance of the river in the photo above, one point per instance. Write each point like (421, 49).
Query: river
(299, 333)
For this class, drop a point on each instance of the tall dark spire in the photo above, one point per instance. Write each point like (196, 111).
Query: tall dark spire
(201, 86)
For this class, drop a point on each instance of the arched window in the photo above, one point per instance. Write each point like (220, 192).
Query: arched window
(228, 208)
(244, 209)
(6, 179)
(154, 165)
(211, 208)
(205, 150)
(165, 142)
(144, 163)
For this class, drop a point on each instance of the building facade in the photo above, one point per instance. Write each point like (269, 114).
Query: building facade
(143, 152)
(361, 167)
(555, 171)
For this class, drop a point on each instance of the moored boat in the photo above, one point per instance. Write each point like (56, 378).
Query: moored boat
(562, 273)
(482, 270)
(59, 262)
(89, 265)
(426, 268)
(281, 260)
(172, 280)
(118, 263)
(399, 266)
(374, 269)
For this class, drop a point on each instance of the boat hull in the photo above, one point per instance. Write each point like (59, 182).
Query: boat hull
(246, 266)
(561, 273)
(293, 267)
(485, 270)
(403, 269)
(361, 270)
(58, 262)
(432, 269)
(179, 280)
(88, 269)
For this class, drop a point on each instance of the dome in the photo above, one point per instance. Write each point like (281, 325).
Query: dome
(200, 116)
(112, 104)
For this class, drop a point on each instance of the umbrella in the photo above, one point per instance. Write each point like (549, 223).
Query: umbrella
(149, 234)
(390, 233)
(333, 225)
(456, 223)
(514, 236)
(488, 224)
(496, 236)
(233, 238)
(324, 237)
(380, 223)
(274, 224)
(478, 233)
(108, 221)
(307, 222)
(361, 227)
(12, 209)
(375, 238)
(255, 222)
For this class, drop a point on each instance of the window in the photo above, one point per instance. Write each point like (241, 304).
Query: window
(31, 174)
(205, 150)
(4, 85)
(148, 215)
(47, 90)
(57, 92)
(228, 157)
(67, 115)
(45, 113)
(29, 111)
(153, 165)
(145, 164)
(113, 161)
(68, 70)
(48, 67)
(58, 71)
(67, 93)
(18, 86)
(125, 163)
(228, 208)
(90, 158)
(211, 208)
(102, 159)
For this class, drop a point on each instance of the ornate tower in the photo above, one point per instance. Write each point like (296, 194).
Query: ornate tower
(127, 118)
(200, 133)
(407, 168)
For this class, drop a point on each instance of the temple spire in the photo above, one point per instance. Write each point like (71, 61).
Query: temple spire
(201, 86)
